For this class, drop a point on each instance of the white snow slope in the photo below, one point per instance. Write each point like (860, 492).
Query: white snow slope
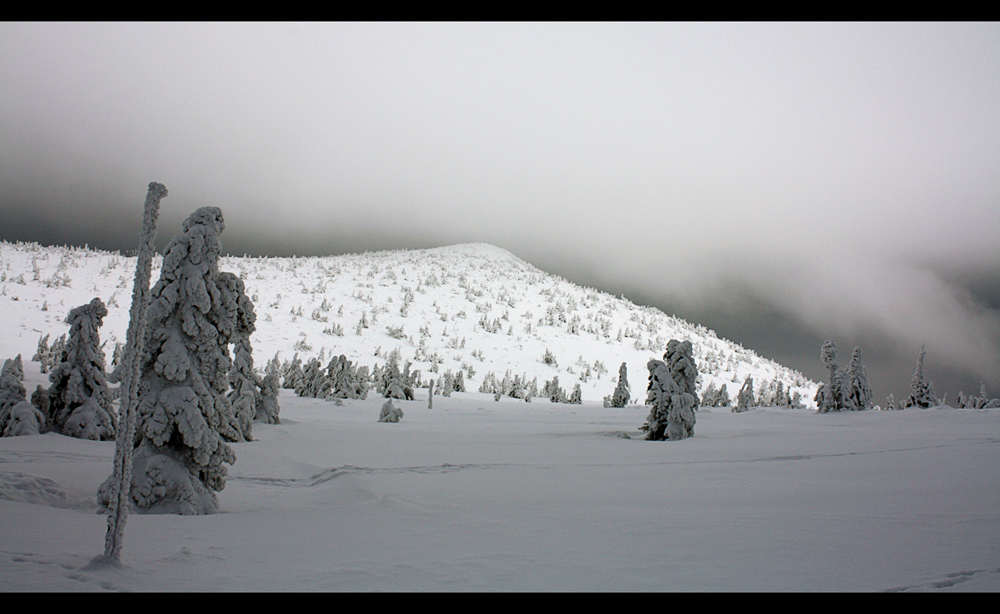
(479, 495)
(456, 293)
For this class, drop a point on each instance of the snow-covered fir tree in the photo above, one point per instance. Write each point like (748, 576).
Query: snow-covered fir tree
(184, 417)
(857, 394)
(245, 385)
(921, 389)
(576, 397)
(672, 392)
(620, 397)
(722, 398)
(17, 415)
(829, 397)
(79, 399)
(745, 399)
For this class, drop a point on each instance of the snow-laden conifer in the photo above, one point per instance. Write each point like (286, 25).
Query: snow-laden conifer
(79, 399)
(744, 398)
(921, 389)
(722, 398)
(17, 415)
(829, 396)
(245, 385)
(620, 397)
(183, 414)
(576, 397)
(857, 393)
(672, 393)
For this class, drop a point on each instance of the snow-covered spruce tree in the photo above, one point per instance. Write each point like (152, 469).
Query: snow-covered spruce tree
(43, 350)
(79, 399)
(447, 384)
(293, 375)
(744, 398)
(709, 395)
(184, 417)
(829, 396)
(672, 392)
(921, 389)
(576, 397)
(17, 415)
(722, 399)
(620, 397)
(246, 394)
(555, 393)
(856, 392)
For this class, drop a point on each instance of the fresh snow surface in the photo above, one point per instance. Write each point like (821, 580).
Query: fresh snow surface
(480, 495)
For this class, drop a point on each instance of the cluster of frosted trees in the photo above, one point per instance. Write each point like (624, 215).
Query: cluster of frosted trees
(848, 388)
(78, 400)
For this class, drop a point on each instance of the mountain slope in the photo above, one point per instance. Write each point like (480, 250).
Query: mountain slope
(473, 306)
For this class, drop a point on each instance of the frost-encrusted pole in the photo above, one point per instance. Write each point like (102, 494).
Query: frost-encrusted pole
(134, 339)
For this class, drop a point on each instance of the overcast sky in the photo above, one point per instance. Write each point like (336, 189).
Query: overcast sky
(779, 183)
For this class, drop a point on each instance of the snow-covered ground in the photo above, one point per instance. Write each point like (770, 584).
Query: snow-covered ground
(478, 495)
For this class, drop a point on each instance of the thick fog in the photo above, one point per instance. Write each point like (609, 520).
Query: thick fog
(779, 183)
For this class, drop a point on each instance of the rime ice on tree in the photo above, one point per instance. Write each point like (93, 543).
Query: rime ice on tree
(17, 415)
(921, 389)
(183, 413)
(856, 391)
(672, 393)
(829, 396)
(621, 394)
(79, 399)
(744, 398)
(250, 397)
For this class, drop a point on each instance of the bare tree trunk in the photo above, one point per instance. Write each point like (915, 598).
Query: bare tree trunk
(134, 341)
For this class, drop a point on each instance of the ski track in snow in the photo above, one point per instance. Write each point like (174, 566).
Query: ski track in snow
(948, 581)
(333, 473)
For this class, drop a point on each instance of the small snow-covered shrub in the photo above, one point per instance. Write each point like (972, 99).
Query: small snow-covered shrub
(390, 413)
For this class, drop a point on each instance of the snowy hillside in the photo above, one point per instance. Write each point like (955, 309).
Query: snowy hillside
(476, 494)
(471, 307)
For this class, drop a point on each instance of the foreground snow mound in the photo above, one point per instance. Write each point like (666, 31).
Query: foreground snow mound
(390, 413)
(163, 484)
